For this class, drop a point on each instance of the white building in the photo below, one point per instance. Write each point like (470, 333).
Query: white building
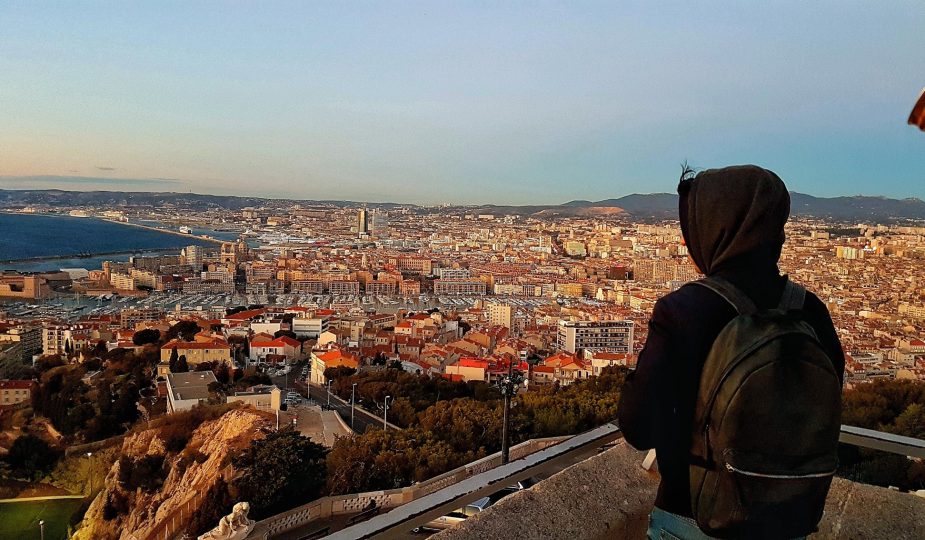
(612, 336)
(185, 390)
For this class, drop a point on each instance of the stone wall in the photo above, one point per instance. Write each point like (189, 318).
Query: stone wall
(610, 495)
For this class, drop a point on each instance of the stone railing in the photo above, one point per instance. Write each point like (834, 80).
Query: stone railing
(327, 507)
(610, 496)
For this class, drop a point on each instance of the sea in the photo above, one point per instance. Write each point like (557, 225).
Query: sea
(47, 240)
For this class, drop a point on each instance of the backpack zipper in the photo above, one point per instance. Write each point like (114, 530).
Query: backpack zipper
(730, 468)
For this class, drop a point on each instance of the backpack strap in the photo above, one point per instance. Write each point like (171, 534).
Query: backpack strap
(730, 293)
(793, 298)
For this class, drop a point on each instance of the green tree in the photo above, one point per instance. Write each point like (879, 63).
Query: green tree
(30, 456)
(182, 329)
(182, 365)
(174, 357)
(280, 471)
(287, 333)
(911, 423)
(146, 336)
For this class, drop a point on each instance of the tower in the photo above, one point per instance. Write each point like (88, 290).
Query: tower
(362, 222)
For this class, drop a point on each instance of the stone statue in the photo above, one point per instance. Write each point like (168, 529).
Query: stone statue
(234, 526)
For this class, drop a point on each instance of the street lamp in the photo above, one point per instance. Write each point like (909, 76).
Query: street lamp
(385, 413)
(90, 470)
(42, 528)
(329, 393)
(509, 384)
(353, 393)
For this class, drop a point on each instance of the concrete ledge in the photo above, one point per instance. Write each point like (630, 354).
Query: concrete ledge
(610, 496)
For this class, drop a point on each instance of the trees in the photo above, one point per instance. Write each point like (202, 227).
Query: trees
(287, 333)
(174, 357)
(183, 329)
(146, 336)
(31, 457)
(280, 471)
(182, 366)
(388, 459)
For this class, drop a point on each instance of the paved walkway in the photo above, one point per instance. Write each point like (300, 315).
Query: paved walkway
(320, 426)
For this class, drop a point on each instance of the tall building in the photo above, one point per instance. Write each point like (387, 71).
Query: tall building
(612, 336)
(379, 223)
(362, 222)
(501, 315)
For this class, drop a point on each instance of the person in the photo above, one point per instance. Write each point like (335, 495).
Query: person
(732, 222)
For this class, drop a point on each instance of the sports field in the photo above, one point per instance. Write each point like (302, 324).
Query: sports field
(20, 520)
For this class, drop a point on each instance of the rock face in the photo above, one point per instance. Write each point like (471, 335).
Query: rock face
(124, 510)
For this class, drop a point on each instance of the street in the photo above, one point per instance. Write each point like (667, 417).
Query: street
(363, 419)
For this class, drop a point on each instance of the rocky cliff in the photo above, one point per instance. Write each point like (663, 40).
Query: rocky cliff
(164, 475)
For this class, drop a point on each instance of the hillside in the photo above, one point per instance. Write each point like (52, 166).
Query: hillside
(641, 206)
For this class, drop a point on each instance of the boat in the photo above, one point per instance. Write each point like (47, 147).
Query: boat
(186, 230)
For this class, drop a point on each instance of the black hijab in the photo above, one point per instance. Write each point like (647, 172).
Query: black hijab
(733, 219)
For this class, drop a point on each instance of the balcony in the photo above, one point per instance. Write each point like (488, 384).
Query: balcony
(609, 495)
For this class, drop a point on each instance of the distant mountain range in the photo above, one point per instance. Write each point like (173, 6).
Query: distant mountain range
(639, 206)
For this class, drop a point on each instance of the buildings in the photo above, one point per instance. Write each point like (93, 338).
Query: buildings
(204, 349)
(128, 318)
(310, 328)
(23, 286)
(185, 390)
(264, 346)
(459, 288)
(362, 222)
(13, 392)
(262, 398)
(501, 315)
(327, 359)
(611, 336)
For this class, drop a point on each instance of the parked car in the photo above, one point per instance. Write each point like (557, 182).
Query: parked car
(454, 517)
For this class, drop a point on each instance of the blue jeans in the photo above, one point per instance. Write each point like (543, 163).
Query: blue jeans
(667, 526)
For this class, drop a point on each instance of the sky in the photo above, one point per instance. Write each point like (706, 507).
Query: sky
(458, 102)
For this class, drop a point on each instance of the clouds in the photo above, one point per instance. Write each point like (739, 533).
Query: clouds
(86, 182)
(105, 168)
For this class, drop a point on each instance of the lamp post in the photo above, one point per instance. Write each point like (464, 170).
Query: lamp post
(385, 413)
(42, 528)
(509, 384)
(353, 393)
(90, 470)
(329, 393)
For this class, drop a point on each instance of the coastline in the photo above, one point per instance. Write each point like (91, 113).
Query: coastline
(34, 263)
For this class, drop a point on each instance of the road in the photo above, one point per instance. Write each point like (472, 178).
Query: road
(363, 420)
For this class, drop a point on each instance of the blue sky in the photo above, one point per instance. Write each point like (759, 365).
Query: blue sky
(468, 102)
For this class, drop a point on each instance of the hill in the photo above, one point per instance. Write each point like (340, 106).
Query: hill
(641, 206)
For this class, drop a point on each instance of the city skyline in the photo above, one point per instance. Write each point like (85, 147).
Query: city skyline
(434, 103)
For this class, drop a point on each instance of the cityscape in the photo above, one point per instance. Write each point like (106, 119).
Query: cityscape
(462, 270)
(360, 329)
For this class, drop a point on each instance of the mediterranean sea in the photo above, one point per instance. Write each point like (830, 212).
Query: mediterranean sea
(34, 236)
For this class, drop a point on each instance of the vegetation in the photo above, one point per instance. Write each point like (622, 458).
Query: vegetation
(448, 433)
(31, 457)
(146, 336)
(282, 470)
(894, 406)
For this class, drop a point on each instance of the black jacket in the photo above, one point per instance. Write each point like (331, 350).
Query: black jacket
(657, 401)
(732, 221)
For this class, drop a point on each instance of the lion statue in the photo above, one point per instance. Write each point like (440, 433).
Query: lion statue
(234, 526)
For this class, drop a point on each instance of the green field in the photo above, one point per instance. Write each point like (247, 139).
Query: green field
(20, 520)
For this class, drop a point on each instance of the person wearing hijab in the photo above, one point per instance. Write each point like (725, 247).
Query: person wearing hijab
(732, 221)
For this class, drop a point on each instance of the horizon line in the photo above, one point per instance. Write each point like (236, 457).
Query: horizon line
(172, 181)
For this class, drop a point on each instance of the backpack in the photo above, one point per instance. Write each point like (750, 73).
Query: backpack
(766, 423)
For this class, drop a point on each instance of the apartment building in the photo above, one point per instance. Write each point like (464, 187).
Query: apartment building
(344, 287)
(129, 318)
(13, 392)
(459, 288)
(611, 336)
